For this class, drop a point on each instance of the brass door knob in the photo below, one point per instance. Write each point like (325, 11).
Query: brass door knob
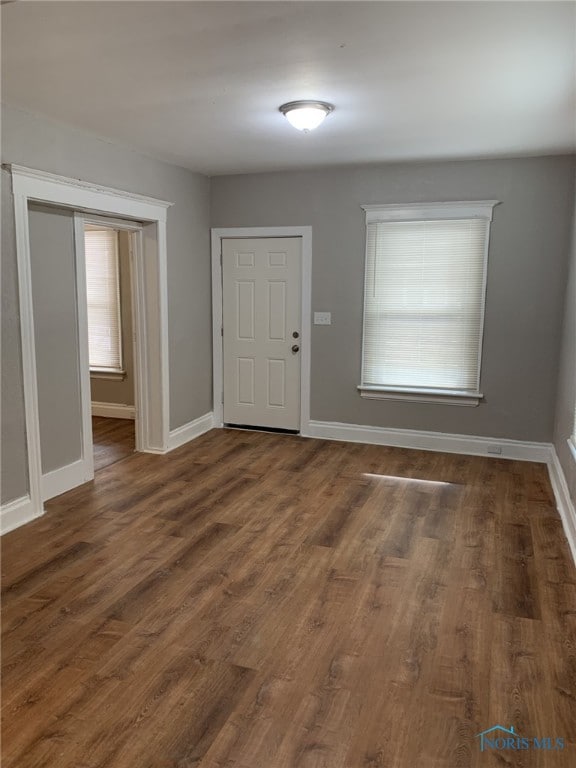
(295, 348)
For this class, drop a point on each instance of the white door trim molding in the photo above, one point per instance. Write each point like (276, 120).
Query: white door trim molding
(87, 458)
(18, 512)
(43, 186)
(218, 234)
(29, 185)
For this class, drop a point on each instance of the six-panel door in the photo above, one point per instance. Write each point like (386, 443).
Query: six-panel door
(261, 331)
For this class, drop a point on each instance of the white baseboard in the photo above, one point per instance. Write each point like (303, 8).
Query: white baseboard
(114, 410)
(431, 441)
(465, 444)
(17, 513)
(563, 501)
(20, 511)
(187, 432)
(64, 479)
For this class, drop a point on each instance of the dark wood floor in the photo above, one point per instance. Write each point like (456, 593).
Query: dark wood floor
(263, 601)
(113, 439)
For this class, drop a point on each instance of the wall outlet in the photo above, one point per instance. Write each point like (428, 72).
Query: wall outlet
(495, 450)
(322, 318)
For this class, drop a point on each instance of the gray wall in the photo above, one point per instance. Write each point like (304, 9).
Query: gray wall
(48, 146)
(528, 251)
(52, 268)
(120, 391)
(567, 378)
(14, 454)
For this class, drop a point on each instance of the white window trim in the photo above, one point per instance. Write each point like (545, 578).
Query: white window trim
(470, 209)
(108, 373)
(444, 396)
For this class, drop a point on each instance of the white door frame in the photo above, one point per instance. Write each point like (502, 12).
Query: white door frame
(220, 233)
(29, 185)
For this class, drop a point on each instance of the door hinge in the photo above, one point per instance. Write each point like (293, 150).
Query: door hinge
(221, 331)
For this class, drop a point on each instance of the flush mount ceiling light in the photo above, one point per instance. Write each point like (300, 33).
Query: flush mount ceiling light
(306, 115)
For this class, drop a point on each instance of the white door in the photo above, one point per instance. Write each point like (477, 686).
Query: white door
(261, 331)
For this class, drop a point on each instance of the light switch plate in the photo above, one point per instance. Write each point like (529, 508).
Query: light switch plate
(322, 318)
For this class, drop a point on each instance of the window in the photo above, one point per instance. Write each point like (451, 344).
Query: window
(424, 301)
(103, 292)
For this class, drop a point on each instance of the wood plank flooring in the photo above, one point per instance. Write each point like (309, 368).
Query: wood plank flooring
(113, 439)
(263, 601)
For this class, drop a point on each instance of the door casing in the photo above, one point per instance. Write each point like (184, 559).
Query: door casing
(30, 185)
(220, 233)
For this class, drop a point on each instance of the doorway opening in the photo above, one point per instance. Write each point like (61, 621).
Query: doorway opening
(124, 328)
(112, 335)
(53, 471)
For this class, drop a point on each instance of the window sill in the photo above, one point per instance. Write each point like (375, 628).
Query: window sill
(443, 396)
(96, 373)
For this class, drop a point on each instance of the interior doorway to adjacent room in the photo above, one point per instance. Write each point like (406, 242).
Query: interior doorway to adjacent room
(112, 334)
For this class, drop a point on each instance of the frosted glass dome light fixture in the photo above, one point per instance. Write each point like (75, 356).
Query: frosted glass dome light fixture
(306, 115)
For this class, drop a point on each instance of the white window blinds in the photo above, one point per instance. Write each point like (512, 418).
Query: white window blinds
(103, 290)
(424, 305)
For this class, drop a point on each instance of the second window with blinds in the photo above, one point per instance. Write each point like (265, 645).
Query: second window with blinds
(424, 295)
(103, 294)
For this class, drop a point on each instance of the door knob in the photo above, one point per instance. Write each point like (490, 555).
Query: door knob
(295, 348)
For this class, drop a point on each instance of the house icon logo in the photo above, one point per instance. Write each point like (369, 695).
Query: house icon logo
(501, 738)
(491, 735)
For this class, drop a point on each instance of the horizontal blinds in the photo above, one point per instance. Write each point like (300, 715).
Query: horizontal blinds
(424, 304)
(103, 289)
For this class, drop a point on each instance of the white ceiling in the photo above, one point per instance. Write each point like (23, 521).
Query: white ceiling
(199, 84)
